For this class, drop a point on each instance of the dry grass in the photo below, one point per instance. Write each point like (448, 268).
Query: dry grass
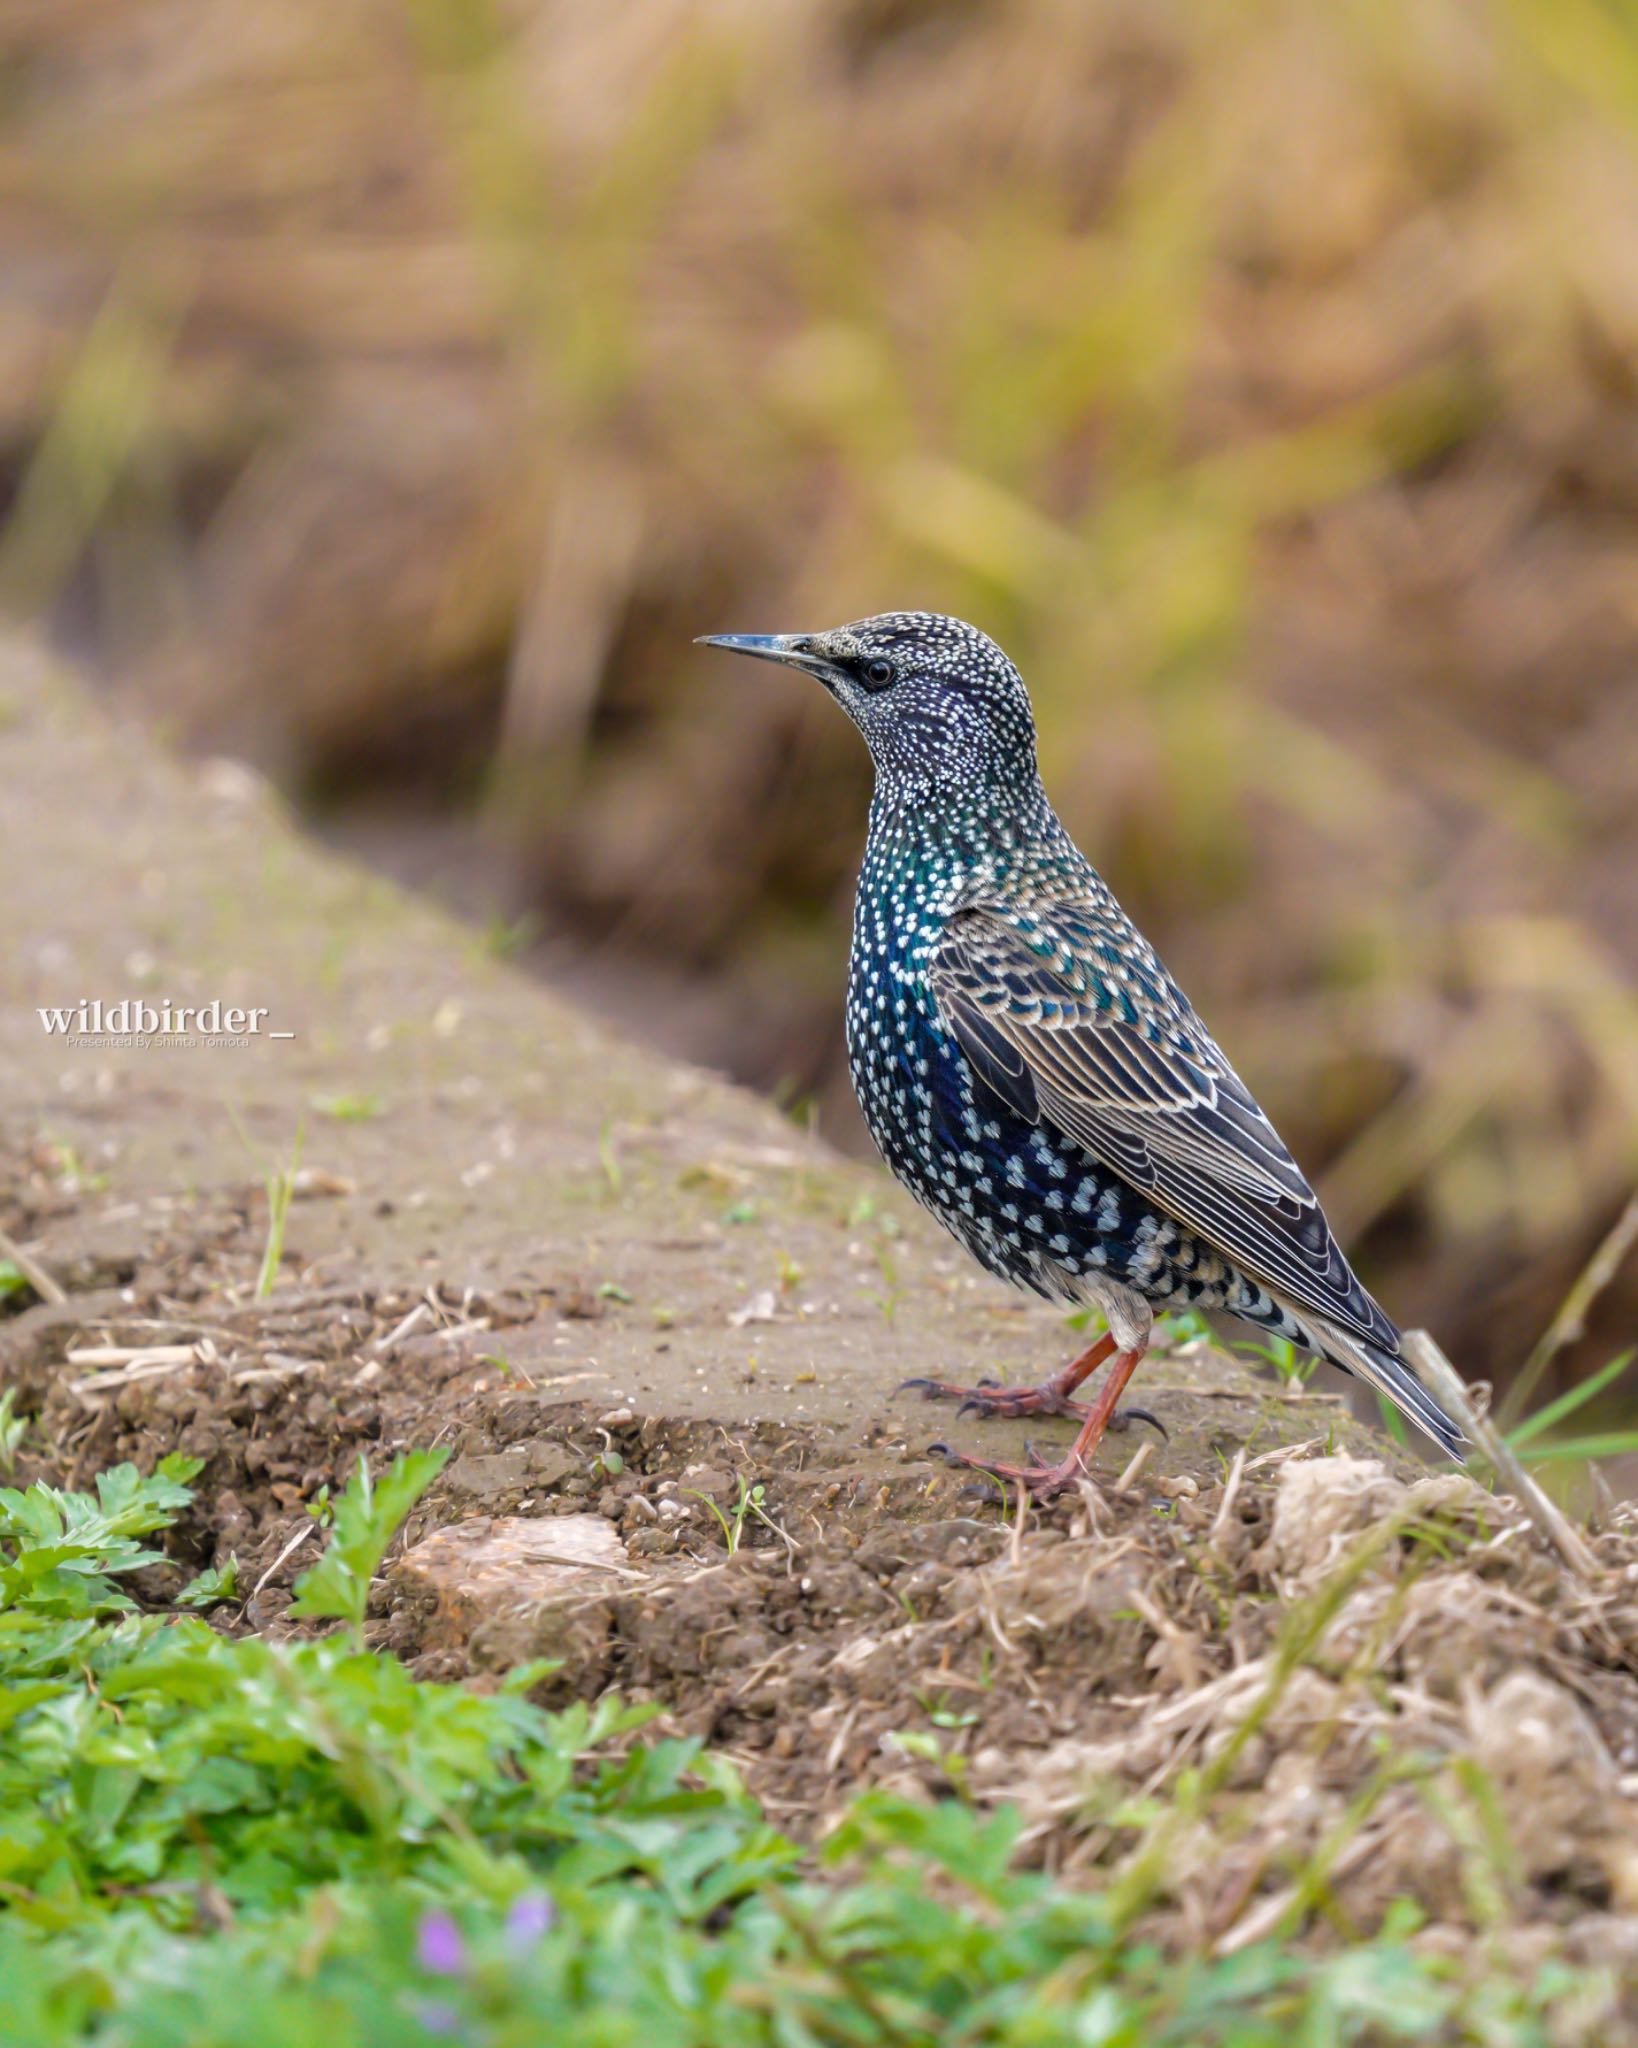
(1303, 1701)
(393, 391)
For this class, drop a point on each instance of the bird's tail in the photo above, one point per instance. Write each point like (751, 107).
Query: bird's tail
(1390, 1376)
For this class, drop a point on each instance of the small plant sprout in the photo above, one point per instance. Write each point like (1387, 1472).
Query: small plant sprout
(1392, 1421)
(212, 1587)
(367, 1517)
(504, 938)
(279, 1183)
(348, 1109)
(926, 1748)
(751, 1502)
(1178, 1328)
(75, 1177)
(1293, 1368)
(608, 1157)
(936, 1706)
(13, 1429)
(893, 1290)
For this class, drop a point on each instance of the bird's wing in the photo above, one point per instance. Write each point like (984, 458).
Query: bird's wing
(1069, 1017)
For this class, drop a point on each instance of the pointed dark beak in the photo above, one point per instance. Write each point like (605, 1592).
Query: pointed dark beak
(795, 650)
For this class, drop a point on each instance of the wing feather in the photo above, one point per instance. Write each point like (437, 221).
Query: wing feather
(1117, 1061)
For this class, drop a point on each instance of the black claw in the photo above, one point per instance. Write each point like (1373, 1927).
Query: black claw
(939, 1451)
(1123, 1418)
(977, 1407)
(987, 1383)
(983, 1489)
(1031, 1455)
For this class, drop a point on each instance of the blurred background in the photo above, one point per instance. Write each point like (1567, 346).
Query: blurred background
(391, 389)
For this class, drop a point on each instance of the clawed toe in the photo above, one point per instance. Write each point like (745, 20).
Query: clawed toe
(975, 1396)
(989, 1397)
(1123, 1418)
(1039, 1480)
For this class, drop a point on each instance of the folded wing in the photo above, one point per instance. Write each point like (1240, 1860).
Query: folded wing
(1074, 1024)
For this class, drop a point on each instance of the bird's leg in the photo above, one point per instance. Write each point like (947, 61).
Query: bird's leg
(1051, 1397)
(1045, 1480)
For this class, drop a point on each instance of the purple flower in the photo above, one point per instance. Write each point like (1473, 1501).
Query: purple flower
(530, 1917)
(439, 1945)
(437, 2017)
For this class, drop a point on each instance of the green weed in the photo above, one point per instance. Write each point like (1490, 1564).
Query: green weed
(1293, 1368)
(213, 1587)
(229, 1841)
(608, 1157)
(366, 1518)
(1571, 1450)
(279, 1183)
(750, 1503)
(348, 1109)
(505, 938)
(13, 1429)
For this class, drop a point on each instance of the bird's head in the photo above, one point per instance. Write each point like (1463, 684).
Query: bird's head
(938, 703)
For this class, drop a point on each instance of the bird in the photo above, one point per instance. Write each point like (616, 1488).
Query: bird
(1031, 1072)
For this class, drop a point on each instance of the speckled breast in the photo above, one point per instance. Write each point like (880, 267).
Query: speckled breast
(956, 1149)
(1027, 1202)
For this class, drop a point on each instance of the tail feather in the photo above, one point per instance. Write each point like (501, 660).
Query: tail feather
(1392, 1377)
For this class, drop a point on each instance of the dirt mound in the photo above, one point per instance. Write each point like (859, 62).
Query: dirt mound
(1323, 1662)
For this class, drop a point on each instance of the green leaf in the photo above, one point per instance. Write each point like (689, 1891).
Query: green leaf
(1574, 1398)
(367, 1517)
(1620, 1443)
(211, 1586)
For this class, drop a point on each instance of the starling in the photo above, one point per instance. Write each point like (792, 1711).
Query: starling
(1031, 1072)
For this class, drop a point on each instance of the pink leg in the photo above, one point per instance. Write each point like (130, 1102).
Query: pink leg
(1046, 1480)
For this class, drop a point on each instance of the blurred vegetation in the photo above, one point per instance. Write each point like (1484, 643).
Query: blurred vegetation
(389, 390)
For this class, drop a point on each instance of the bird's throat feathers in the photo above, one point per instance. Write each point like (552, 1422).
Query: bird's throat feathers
(929, 854)
(946, 757)
(972, 830)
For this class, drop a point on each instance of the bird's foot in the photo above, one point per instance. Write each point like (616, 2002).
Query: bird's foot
(1051, 1397)
(1039, 1480)
(1038, 1477)
(989, 1397)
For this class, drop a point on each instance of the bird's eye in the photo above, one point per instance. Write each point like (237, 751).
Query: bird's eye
(878, 673)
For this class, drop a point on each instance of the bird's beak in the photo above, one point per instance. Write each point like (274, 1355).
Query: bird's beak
(795, 650)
